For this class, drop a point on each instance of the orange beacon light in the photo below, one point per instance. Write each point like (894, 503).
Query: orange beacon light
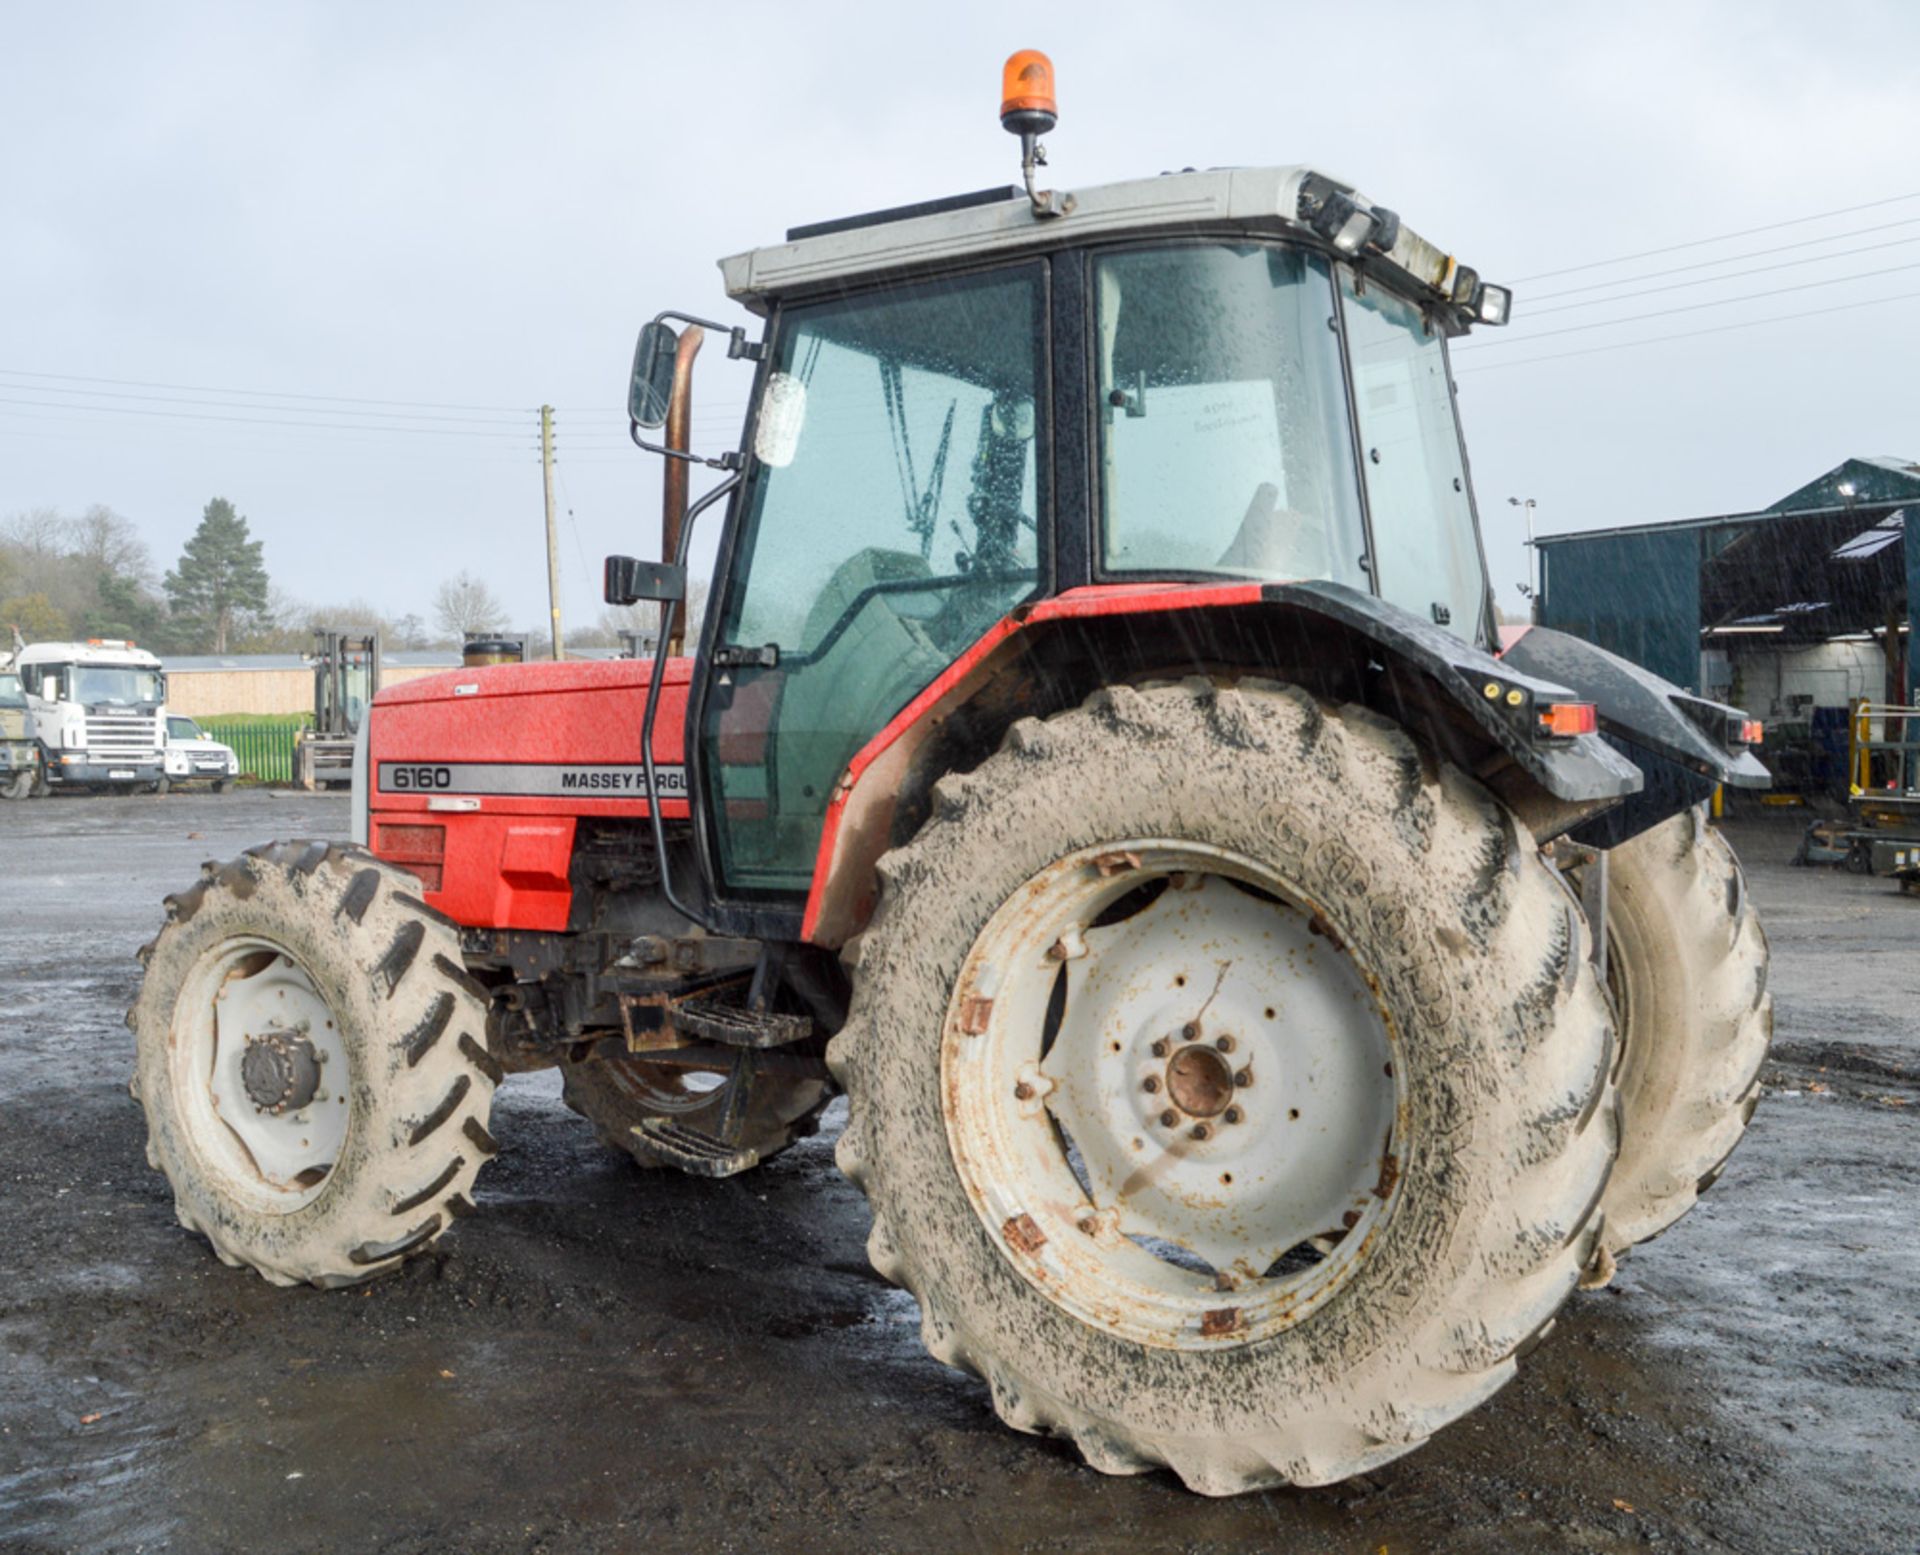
(1027, 105)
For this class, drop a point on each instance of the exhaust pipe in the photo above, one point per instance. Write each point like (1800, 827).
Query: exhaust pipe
(673, 481)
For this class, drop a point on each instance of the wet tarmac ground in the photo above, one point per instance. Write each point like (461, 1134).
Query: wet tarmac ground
(607, 1360)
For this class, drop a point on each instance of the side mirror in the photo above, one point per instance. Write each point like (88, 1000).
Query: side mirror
(651, 390)
(628, 580)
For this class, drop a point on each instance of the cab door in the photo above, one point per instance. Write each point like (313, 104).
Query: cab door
(908, 520)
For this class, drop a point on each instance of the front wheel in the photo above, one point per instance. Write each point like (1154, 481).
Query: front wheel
(1230, 1083)
(308, 1053)
(20, 786)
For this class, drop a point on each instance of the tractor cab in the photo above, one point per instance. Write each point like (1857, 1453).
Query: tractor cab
(966, 408)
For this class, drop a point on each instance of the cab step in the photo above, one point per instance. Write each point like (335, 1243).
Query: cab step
(734, 1025)
(695, 1152)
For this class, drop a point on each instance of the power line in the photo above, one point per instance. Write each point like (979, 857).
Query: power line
(1691, 334)
(169, 399)
(1724, 237)
(251, 421)
(1691, 307)
(1730, 259)
(1715, 280)
(277, 394)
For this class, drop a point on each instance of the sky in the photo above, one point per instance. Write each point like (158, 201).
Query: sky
(297, 210)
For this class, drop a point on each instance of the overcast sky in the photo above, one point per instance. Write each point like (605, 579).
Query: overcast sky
(476, 205)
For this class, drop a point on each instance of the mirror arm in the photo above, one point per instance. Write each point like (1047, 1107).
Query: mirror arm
(739, 348)
(732, 460)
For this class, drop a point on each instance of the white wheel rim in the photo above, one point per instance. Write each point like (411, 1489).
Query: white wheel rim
(1205, 1148)
(273, 1144)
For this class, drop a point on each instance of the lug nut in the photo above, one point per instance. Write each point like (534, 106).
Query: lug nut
(1243, 1078)
(1191, 1031)
(1223, 1044)
(1023, 1092)
(1169, 1118)
(1159, 1049)
(1233, 1114)
(1150, 1084)
(1199, 1131)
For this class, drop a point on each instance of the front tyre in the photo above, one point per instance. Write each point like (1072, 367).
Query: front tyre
(1687, 964)
(1230, 1084)
(307, 1050)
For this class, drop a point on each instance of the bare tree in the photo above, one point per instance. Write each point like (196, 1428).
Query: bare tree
(617, 620)
(464, 604)
(111, 546)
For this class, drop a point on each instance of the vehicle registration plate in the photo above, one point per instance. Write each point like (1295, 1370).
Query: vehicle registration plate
(120, 772)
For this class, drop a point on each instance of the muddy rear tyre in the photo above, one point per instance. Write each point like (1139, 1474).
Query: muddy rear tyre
(1391, 889)
(615, 1093)
(308, 1054)
(1688, 968)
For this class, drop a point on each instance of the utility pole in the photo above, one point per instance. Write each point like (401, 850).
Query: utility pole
(553, 544)
(1532, 589)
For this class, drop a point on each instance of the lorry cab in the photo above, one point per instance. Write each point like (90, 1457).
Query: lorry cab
(100, 712)
(20, 765)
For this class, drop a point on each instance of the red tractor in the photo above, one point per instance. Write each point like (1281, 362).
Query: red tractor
(1260, 1001)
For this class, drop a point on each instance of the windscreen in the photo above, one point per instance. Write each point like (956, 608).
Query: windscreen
(1224, 442)
(127, 685)
(12, 694)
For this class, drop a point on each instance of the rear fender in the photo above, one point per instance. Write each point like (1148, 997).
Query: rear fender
(1340, 644)
(1680, 742)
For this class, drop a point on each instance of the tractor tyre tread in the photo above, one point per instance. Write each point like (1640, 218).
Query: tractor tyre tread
(1479, 952)
(380, 959)
(1690, 962)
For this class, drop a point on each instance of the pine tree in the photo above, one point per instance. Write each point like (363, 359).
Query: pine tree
(220, 575)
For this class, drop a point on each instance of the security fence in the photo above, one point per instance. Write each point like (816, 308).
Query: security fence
(264, 743)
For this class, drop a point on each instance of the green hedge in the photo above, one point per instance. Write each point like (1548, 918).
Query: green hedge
(263, 742)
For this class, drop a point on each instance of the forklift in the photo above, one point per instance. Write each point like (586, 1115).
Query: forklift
(346, 678)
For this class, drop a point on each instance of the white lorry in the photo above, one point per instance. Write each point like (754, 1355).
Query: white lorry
(100, 710)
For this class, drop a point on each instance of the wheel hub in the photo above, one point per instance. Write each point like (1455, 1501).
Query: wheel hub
(1200, 1081)
(262, 1069)
(280, 1071)
(1171, 1096)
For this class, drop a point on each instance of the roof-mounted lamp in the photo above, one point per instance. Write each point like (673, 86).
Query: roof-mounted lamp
(1028, 109)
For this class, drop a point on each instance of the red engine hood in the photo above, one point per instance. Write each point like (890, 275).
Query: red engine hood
(529, 739)
(479, 777)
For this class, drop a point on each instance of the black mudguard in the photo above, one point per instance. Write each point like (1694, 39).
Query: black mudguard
(1672, 736)
(1580, 770)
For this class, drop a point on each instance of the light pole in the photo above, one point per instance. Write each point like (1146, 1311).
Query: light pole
(1529, 588)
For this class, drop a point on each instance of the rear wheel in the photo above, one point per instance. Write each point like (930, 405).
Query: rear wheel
(1687, 965)
(616, 1093)
(308, 1054)
(1230, 1084)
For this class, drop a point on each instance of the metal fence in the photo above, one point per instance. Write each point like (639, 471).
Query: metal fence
(264, 745)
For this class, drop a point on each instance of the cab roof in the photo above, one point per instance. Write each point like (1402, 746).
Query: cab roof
(1002, 223)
